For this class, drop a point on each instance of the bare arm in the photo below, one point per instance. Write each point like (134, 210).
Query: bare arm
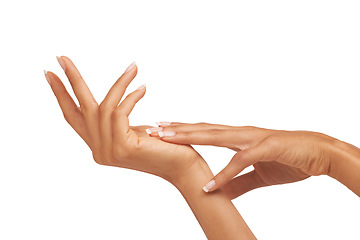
(216, 214)
(278, 156)
(105, 129)
(345, 165)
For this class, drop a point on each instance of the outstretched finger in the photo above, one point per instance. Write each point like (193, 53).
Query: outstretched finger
(237, 138)
(69, 108)
(117, 91)
(109, 104)
(214, 137)
(187, 127)
(122, 112)
(238, 163)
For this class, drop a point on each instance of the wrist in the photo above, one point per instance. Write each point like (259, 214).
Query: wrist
(214, 211)
(197, 175)
(345, 165)
(341, 153)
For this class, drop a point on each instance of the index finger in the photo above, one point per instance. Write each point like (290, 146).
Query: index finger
(234, 138)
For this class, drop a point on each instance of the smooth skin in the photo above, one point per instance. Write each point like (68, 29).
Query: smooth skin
(105, 129)
(277, 156)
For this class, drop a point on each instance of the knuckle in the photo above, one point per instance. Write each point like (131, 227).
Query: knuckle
(272, 141)
(216, 131)
(90, 106)
(249, 128)
(116, 114)
(103, 107)
(222, 177)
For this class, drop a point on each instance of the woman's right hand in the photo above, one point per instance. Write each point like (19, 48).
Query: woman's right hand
(105, 128)
(277, 156)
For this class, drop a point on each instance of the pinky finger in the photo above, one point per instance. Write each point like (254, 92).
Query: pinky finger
(122, 112)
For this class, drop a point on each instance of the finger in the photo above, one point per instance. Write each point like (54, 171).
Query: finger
(187, 127)
(110, 103)
(201, 125)
(238, 163)
(70, 110)
(122, 112)
(117, 91)
(214, 137)
(242, 184)
(234, 138)
(81, 90)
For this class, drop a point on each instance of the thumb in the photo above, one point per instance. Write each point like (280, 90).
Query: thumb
(242, 184)
(238, 163)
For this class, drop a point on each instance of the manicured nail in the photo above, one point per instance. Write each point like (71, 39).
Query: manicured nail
(141, 87)
(129, 68)
(153, 130)
(209, 186)
(163, 124)
(61, 62)
(166, 134)
(47, 77)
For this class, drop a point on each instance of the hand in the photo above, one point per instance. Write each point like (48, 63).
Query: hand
(105, 127)
(277, 156)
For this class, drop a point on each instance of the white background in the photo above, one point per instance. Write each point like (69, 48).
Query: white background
(275, 64)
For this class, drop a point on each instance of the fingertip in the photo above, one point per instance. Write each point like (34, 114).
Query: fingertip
(163, 124)
(49, 74)
(47, 77)
(61, 62)
(209, 186)
(166, 134)
(142, 87)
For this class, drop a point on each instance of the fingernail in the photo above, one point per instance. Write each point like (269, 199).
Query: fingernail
(61, 62)
(129, 68)
(47, 77)
(164, 124)
(141, 87)
(166, 134)
(209, 186)
(153, 130)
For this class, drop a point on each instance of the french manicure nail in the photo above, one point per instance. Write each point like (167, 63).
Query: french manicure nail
(153, 130)
(141, 87)
(61, 62)
(209, 186)
(129, 68)
(164, 124)
(47, 77)
(166, 134)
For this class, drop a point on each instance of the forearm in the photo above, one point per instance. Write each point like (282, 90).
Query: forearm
(345, 166)
(214, 211)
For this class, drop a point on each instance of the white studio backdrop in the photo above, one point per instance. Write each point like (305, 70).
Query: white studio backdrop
(290, 65)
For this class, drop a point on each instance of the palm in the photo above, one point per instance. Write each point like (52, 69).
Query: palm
(163, 156)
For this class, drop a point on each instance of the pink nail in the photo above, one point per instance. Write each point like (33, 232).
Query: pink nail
(166, 134)
(163, 124)
(61, 62)
(141, 87)
(209, 186)
(153, 130)
(47, 77)
(129, 68)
